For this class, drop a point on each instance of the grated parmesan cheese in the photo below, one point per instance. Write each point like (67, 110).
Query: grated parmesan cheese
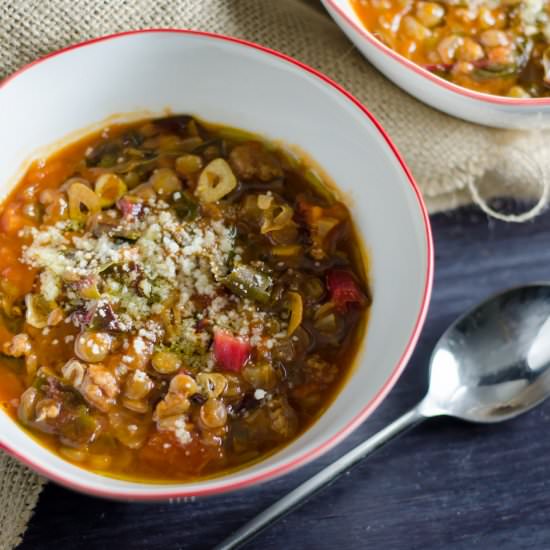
(259, 394)
(162, 272)
(181, 432)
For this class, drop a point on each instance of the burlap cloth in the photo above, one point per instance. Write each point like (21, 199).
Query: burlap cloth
(453, 162)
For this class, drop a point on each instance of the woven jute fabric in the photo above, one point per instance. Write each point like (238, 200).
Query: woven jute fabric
(19, 490)
(452, 161)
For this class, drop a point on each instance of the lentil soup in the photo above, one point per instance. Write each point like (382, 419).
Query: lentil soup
(177, 299)
(500, 47)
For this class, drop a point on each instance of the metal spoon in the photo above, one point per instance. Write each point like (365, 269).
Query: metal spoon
(492, 364)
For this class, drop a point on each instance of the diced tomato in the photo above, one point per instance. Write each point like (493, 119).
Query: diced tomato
(344, 289)
(230, 352)
(128, 208)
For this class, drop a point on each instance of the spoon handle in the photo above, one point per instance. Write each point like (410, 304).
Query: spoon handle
(319, 481)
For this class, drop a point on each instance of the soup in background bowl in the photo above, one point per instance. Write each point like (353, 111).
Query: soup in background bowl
(237, 85)
(482, 62)
(500, 48)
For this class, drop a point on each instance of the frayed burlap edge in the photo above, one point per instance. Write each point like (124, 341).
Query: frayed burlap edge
(19, 492)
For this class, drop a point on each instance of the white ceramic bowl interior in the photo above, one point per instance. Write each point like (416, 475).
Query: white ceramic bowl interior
(490, 110)
(242, 85)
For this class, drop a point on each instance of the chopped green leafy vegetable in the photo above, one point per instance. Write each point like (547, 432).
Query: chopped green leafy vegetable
(249, 282)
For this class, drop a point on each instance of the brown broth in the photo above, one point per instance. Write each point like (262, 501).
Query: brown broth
(258, 422)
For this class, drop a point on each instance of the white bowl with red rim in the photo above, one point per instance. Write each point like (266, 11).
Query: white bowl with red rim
(477, 107)
(240, 84)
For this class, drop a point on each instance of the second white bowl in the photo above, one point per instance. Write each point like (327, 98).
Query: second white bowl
(480, 108)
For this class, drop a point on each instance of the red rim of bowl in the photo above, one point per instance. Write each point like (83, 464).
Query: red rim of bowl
(441, 82)
(182, 492)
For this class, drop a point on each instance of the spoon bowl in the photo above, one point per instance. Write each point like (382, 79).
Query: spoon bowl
(493, 363)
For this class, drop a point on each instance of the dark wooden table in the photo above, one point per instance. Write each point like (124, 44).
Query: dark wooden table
(444, 485)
